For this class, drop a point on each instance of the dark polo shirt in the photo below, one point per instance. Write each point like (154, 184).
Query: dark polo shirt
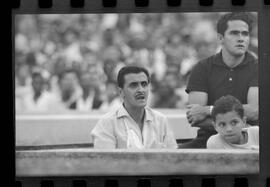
(214, 77)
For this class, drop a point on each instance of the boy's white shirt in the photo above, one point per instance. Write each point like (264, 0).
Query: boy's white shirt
(217, 142)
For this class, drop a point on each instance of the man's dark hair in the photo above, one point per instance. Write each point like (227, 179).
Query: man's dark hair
(222, 24)
(66, 71)
(37, 74)
(127, 70)
(227, 104)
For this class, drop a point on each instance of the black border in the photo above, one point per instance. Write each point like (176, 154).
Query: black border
(128, 6)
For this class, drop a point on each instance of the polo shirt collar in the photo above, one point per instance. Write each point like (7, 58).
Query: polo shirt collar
(122, 112)
(218, 60)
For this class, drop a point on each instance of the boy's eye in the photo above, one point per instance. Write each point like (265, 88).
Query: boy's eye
(221, 124)
(234, 122)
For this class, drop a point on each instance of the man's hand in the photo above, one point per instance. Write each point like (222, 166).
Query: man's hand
(197, 113)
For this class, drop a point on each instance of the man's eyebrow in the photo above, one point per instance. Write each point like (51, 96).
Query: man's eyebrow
(235, 31)
(134, 82)
(137, 82)
(238, 31)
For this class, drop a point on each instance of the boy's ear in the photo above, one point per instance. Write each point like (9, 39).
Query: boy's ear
(214, 125)
(245, 120)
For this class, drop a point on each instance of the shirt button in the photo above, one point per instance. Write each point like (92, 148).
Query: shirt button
(230, 79)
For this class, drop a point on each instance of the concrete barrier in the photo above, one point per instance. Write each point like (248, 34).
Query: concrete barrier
(91, 162)
(74, 128)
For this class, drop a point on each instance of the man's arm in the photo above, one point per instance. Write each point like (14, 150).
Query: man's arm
(197, 109)
(197, 97)
(102, 135)
(252, 107)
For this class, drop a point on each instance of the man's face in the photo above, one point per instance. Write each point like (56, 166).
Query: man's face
(89, 80)
(229, 126)
(69, 82)
(236, 38)
(111, 90)
(38, 84)
(135, 90)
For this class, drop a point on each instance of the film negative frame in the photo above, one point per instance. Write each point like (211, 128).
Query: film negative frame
(147, 6)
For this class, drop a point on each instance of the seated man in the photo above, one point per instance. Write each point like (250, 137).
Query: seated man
(233, 70)
(36, 99)
(133, 124)
(230, 123)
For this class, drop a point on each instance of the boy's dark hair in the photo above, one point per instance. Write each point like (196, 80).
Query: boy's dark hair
(222, 24)
(127, 70)
(227, 104)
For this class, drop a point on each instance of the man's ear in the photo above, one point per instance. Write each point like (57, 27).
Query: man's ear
(120, 92)
(220, 38)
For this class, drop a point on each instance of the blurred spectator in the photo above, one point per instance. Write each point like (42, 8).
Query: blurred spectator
(112, 100)
(22, 85)
(161, 42)
(65, 95)
(37, 98)
(166, 95)
(91, 97)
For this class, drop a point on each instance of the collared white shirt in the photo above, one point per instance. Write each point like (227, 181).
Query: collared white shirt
(117, 129)
(217, 142)
(36, 106)
(86, 105)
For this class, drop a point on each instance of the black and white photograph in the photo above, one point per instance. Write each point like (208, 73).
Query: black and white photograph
(136, 93)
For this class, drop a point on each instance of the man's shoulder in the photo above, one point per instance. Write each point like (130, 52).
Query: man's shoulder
(207, 62)
(109, 116)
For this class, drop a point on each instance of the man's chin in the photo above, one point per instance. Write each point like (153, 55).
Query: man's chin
(239, 53)
(141, 104)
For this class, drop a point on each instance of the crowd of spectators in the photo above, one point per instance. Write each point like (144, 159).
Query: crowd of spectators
(71, 61)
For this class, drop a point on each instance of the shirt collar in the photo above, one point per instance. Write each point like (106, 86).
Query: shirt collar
(122, 112)
(219, 61)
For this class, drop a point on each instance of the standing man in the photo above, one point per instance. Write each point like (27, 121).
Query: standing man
(133, 124)
(233, 71)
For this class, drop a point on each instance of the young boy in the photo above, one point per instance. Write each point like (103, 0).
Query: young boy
(230, 123)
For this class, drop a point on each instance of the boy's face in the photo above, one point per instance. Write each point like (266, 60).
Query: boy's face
(229, 125)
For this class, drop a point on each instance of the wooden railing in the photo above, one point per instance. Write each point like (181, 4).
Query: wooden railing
(50, 137)
(92, 162)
